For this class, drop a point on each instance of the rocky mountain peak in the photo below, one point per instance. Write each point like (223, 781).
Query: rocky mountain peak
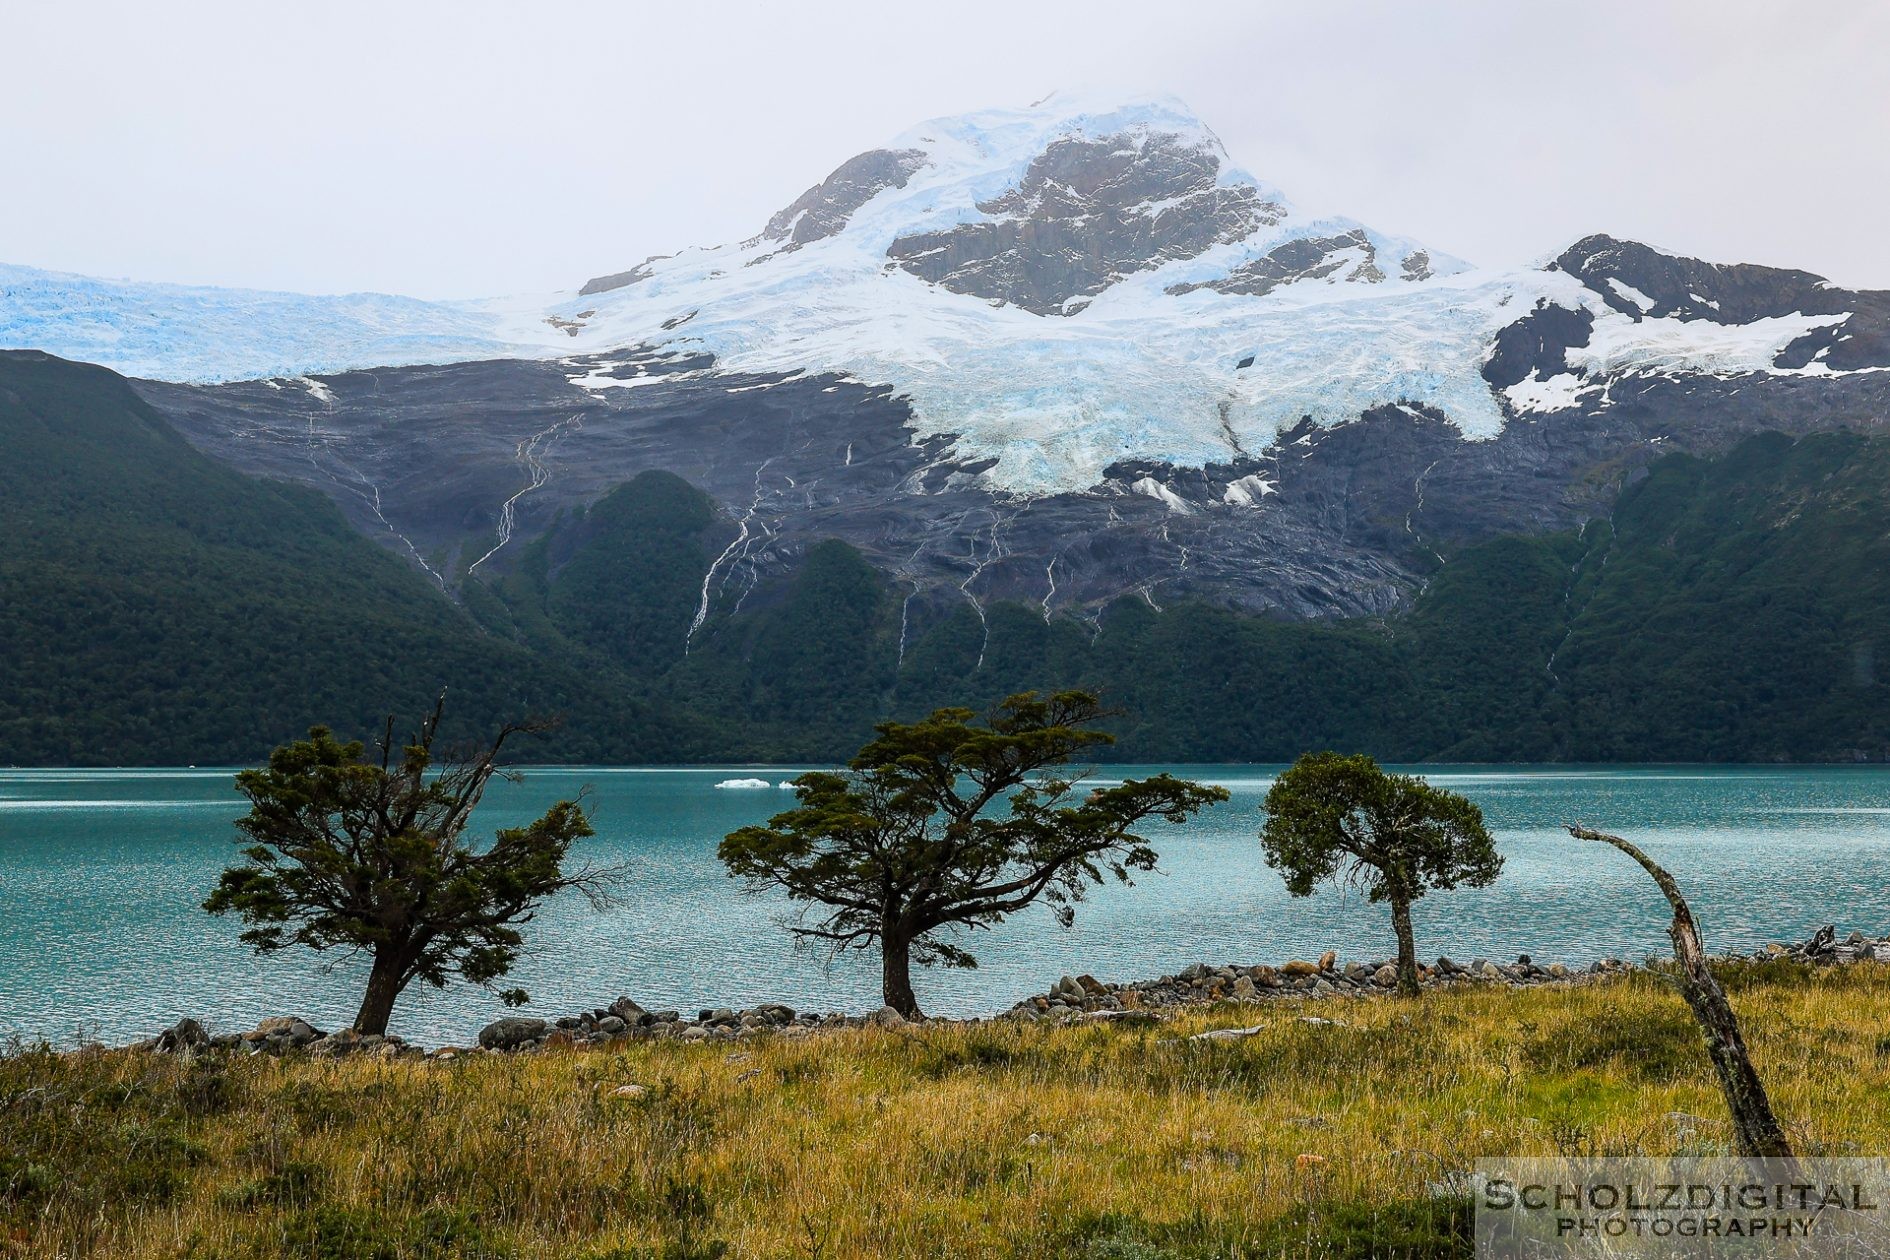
(825, 208)
(1644, 283)
(1640, 282)
(1087, 211)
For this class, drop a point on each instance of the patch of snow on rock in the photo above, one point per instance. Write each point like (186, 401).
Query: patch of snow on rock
(1628, 293)
(1621, 344)
(1558, 393)
(1162, 494)
(1248, 490)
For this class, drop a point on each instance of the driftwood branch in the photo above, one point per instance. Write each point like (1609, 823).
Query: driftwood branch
(1756, 1130)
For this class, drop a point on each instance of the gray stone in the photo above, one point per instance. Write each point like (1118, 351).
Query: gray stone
(345, 1041)
(186, 1036)
(511, 1033)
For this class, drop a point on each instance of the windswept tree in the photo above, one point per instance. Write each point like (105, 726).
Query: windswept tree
(1343, 819)
(370, 856)
(951, 824)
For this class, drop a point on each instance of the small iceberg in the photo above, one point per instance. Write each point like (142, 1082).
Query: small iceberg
(743, 783)
(786, 783)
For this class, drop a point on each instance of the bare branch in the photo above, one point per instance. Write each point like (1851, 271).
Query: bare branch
(1756, 1130)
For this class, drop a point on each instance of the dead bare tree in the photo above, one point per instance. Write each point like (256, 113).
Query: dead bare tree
(1756, 1130)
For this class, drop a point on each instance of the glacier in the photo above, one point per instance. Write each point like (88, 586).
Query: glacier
(203, 334)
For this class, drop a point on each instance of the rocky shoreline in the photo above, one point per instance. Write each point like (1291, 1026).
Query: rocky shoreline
(1070, 999)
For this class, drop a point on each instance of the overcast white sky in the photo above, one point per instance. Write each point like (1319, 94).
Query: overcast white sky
(463, 149)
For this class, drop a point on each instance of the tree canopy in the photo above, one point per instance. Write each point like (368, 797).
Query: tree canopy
(1339, 818)
(370, 856)
(952, 823)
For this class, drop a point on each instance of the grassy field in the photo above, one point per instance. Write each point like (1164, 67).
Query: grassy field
(1001, 1140)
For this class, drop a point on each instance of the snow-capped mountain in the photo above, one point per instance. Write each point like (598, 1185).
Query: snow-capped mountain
(1060, 354)
(1062, 288)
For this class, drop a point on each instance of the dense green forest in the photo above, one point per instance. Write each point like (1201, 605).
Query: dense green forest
(158, 607)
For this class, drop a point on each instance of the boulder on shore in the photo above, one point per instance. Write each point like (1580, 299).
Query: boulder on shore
(186, 1037)
(511, 1033)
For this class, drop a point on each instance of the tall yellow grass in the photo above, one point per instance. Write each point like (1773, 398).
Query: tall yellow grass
(950, 1141)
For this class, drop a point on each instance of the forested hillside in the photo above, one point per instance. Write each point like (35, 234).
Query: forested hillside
(1732, 609)
(156, 607)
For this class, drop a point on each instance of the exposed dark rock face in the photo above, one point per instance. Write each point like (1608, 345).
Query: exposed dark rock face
(457, 468)
(1086, 213)
(1536, 345)
(1644, 283)
(1687, 288)
(621, 279)
(824, 209)
(572, 326)
(820, 212)
(1308, 258)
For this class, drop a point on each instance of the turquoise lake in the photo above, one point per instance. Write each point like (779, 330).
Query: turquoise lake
(102, 871)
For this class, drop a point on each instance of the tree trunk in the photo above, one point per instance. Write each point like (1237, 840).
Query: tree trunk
(896, 973)
(1407, 947)
(377, 1004)
(1757, 1134)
